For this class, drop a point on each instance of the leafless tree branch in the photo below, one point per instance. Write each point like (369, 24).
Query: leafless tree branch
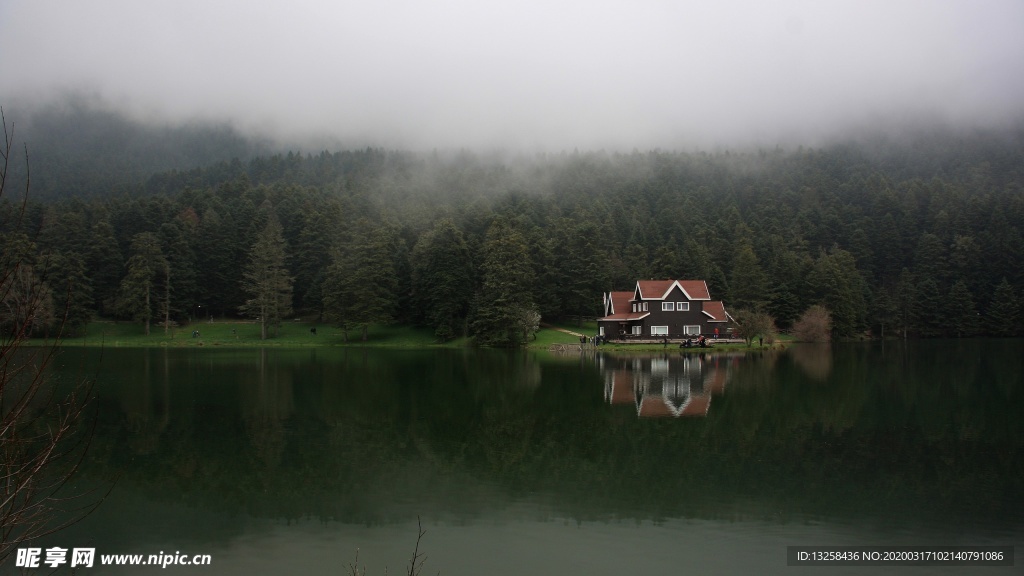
(44, 430)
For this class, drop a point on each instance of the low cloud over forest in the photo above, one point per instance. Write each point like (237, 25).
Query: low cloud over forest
(533, 76)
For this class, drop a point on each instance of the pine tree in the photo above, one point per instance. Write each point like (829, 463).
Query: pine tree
(884, 311)
(181, 260)
(748, 283)
(665, 262)
(783, 304)
(905, 301)
(442, 279)
(138, 286)
(266, 279)
(637, 265)
(697, 264)
(544, 253)
(217, 259)
(929, 319)
(399, 253)
(65, 273)
(888, 249)
(1003, 316)
(312, 254)
(581, 269)
(504, 307)
(361, 286)
(226, 234)
(105, 264)
(964, 317)
(836, 283)
(930, 258)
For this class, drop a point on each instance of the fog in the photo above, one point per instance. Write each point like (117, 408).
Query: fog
(526, 74)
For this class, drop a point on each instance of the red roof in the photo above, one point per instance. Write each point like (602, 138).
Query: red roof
(622, 309)
(654, 407)
(659, 289)
(621, 388)
(620, 302)
(715, 381)
(697, 406)
(657, 407)
(716, 310)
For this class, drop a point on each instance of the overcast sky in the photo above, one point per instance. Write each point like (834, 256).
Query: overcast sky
(548, 74)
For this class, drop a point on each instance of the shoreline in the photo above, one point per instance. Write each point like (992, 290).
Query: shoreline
(224, 334)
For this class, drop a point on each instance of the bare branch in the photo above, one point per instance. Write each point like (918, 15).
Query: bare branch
(44, 432)
(418, 558)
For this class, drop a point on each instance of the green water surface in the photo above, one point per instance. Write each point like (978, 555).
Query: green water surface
(288, 461)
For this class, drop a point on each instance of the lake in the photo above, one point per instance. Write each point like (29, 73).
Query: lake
(289, 461)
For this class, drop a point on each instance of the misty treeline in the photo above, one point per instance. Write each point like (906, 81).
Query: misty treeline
(81, 148)
(920, 237)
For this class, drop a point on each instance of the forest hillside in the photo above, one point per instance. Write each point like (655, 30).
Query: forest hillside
(917, 235)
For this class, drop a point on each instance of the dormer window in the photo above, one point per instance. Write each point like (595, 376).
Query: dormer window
(645, 306)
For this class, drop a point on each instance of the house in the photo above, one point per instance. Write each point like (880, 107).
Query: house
(659, 309)
(668, 385)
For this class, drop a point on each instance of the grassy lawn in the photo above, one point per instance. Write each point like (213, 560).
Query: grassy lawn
(548, 336)
(239, 333)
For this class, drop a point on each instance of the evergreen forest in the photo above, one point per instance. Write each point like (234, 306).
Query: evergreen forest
(915, 236)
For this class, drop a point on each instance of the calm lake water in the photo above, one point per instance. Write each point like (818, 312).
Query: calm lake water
(288, 461)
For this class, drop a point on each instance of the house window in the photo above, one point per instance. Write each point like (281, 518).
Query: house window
(683, 306)
(691, 330)
(659, 330)
(600, 331)
(668, 306)
(645, 306)
(637, 330)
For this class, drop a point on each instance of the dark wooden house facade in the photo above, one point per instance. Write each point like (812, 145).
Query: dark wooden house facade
(659, 309)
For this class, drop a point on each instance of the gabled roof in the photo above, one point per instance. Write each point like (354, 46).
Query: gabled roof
(716, 374)
(619, 302)
(619, 387)
(659, 289)
(697, 406)
(716, 310)
(621, 309)
(715, 381)
(655, 406)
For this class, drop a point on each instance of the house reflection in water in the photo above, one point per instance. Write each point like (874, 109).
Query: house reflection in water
(665, 385)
